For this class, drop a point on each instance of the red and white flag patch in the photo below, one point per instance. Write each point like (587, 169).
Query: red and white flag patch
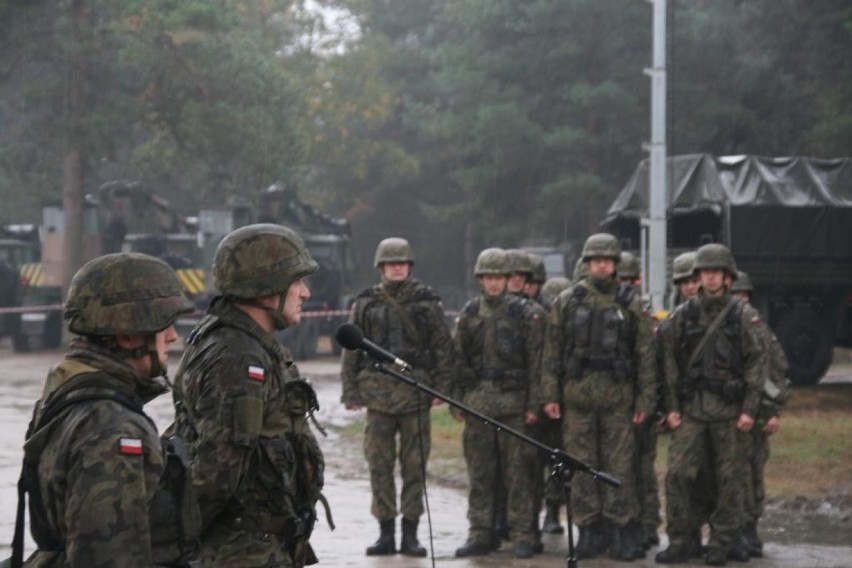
(256, 373)
(130, 446)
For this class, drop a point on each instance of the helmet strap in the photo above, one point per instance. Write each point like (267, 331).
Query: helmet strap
(157, 367)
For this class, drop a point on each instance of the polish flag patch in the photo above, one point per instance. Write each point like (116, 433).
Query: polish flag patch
(130, 446)
(256, 373)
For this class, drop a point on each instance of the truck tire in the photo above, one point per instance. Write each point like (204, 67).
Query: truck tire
(807, 342)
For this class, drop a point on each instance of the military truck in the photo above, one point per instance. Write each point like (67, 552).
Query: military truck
(788, 222)
(329, 241)
(18, 247)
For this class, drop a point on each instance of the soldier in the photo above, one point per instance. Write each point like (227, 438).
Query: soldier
(521, 268)
(537, 278)
(647, 489)
(776, 392)
(243, 407)
(98, 475)
(498, 341)
(406, 318)
(714, 370)
(686, 281)
(599, 353)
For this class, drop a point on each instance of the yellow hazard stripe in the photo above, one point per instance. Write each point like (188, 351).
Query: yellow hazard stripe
(192, 280)
(32, 274)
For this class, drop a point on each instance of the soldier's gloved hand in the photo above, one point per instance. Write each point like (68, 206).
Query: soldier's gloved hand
(745, 423)
(772, 426)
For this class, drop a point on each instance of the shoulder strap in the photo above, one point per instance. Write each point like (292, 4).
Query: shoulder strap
(56, 404)
(403, 315)
(711, 331)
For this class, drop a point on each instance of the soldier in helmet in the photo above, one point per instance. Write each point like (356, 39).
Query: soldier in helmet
(521, 268)
(243, 407)
(498, 342)
(685, 278)
(537, 278)
(599, 362)
(552, 288)
(714, 373)
(775, 393)
(96, 470)
(629, 269)
(406, 318)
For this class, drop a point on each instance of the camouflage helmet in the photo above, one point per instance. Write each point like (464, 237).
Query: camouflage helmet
(629, 267)
(519, 262)
(581, 270)
(260, 260)
(492, 262)
(602, 245)
(683, 267)
(553, 287)
(393, 249)
(539, 272)
(124, 293)
(714, 255)
(742, 283)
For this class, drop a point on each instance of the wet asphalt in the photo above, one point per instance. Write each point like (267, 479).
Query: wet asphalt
(347, 488)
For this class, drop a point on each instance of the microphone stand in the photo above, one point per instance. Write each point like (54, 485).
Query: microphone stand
(563, 465)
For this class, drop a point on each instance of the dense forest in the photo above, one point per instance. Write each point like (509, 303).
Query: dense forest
(458, 124)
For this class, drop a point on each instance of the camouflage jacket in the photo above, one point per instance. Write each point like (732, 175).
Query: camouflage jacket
(100, 464)
(243, 411)
(498, 344)
(419, 337)
(615, 371)
(735, 358)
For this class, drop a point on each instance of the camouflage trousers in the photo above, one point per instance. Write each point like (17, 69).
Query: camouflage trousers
(755, 451)
(231, 548)
(647, 488)
(606, 441)
(381, 451)
(548, 432)
(493, 456)
(694, 444)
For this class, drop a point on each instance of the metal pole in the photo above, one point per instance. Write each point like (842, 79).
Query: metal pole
(658, 192)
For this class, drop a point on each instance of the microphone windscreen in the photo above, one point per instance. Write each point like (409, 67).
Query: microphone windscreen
(349, 336)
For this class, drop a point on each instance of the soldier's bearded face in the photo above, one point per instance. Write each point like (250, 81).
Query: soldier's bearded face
(297, 293)
(493, 285)
(396, 271)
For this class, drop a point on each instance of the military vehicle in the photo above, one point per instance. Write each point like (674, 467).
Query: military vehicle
(18, 247)
(788, 222)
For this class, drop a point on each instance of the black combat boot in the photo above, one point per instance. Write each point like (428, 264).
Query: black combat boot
(409, 545)
(602, 532)
(552, 524)
(386, 544)
(715, 556)
(674, 554)
(524, 550)
(739, 550)
(754, 544)
(473, 548)
(623, 547)
(651, 536)
(587, 544)
(694, 548)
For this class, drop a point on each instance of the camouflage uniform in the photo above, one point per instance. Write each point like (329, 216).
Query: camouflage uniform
(243, 408)
(498, 341)
(101, 496)
(755, 443)
(407, 319)
(599, 353)
(723, 383)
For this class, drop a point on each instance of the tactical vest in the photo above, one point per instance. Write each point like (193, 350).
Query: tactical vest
(173, 511)
(279, 492)
(399, 328)
(719, 367)
(601, 338)
(497, 348)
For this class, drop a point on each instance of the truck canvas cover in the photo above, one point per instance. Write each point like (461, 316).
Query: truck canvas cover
(763, 207)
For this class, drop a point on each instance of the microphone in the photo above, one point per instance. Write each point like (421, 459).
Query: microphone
(351, 337)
